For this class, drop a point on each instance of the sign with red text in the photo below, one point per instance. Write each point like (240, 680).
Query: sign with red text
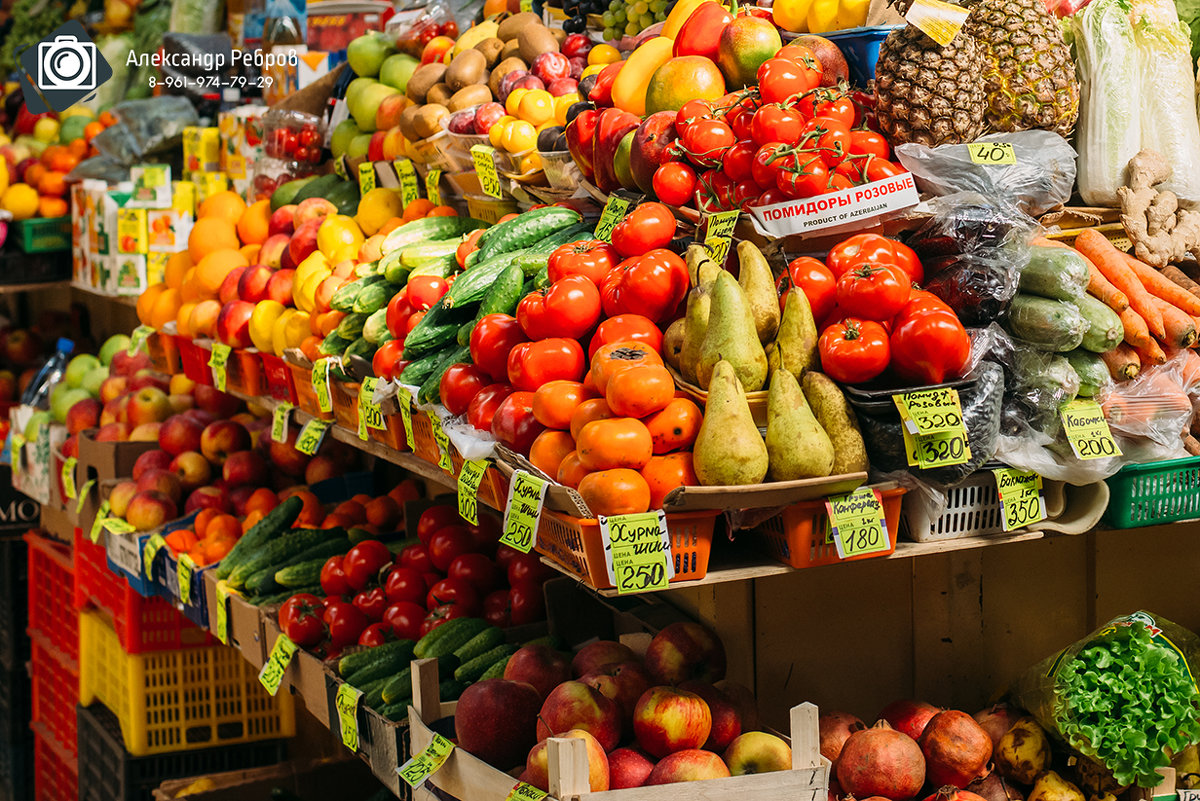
(849, 207)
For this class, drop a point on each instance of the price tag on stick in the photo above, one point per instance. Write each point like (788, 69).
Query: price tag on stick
(409, 187)
(1087, 430)
(68, 477)
(366, 177)
(416, 770)
(404, 401)
(637, 550)
(98, 523)
(271, 675)
(346, 701)
(222, 612)
(137, 340)
(443, 443)
(279, 421)
(184, 570)
(218, 361)
(526, 494)
(432, 189)
(83, 493)
(719, 234)
(320, 385)
(858, 524)
(469, 479)
(1021, 498)
(309, 440)
(614, 211)
(153, 545)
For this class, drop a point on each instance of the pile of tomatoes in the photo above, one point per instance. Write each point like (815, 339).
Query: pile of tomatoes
(873, 316)
(373, 596)
(787, 138)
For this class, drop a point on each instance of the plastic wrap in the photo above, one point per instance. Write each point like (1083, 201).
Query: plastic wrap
(969, 223)
(1042, 178)
(1154, 406)
(978, 288)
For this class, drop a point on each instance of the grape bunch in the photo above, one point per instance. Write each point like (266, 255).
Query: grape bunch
(623, 18)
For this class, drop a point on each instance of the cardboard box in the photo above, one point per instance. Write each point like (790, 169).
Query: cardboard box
(243, 627)
(347, 779)
(108, 461)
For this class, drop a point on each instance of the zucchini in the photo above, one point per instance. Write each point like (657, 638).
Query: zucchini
(496, 671)
(1091, 369)
(416, 255)
(1055, 273)
(375, 327)
(301, 574)
(278, 550)
(1105, 329)
(472, 285)
(471, 671)
(351, 326)
(335, 344)
(418, 372)
(398, 688)
(526, 230)
(434, 332)
(374, 297)
(428, 229)
(375, 663)
(1053, 325)
(430, 391)
(450, 635)
(274, 523)
(481, 643)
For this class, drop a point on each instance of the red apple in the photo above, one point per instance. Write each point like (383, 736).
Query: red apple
(192, 468)
(275, 248)
(113, 387)
(285, 456)
(726, 723)
(495, 721)
(222, 438)
(124, 364)
(70, 446)
(628, 767)
(146, 377)
(151, 460)
(208, 497)
(200, 416)
(233, 323)
(304, 240)
(238, 496)
(599, 653)
(683, 651)
(181, 403)
(539, 665)
(163, 481)
(321, 467)
(375, 146)
(252, 287)
(146, 432)
(148, 405)
(8, 386)
(667, 720)
(537, 764)
(22, 347)
(246, 468)
(179, 433)
(623, 682)
(229, 287)
(281, 221)
(758, 752)
(217, 403)
(743, 701)
(112, 432)
(575, 705)
(83, 415)
(692, 765)
(120, 496)
(149, 509)
(279, 287)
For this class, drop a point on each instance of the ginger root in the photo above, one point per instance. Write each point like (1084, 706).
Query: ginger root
(1161, 231)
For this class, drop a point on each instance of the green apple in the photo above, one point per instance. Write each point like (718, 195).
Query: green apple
(62, 404)
(397, 69)
(112, 346)
(358, 146)
(94, 378)
(366, 54)
(356, 86)
(340, 138)
(79, 367)
(367, 103)
(34, 427)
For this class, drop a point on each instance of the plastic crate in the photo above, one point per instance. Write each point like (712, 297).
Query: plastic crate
(55, 684)
(345, 404)
(306, 396)
(972, 510)
(1159, 492)
(178, 700)
(245, 374)
(194, 361)
(278, 378)
(861, 46)
(1113, 232)
(561, 170)
(163, 349)
(110, 773)
(575, 544)
(14, 596)
(424, 445)
(490, 209)
(52, 614)
(142, 624)
(54, 770)
(44, 234)
(393, 435)
(796, 536)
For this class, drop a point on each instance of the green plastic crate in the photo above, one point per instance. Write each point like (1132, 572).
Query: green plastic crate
(44, 234)
(1159, 492)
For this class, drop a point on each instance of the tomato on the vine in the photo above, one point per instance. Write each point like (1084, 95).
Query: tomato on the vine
(829, 102)
(768, 160)
(454, 591)
(869, 143)
(873, 291)
(527, 604)
(440, 615)
(706, 141)
(405, 584)
(878, 169)
(690, 112)
(375, 635)
(830, 137)
(477, 570)
(300, 619)
(739, 159)
(854, 351)
(806, 179)
(776, 123)
(590, 257)
(674, 182)
(780, 80)
(816, 281)
(371, 603)
(649, 226)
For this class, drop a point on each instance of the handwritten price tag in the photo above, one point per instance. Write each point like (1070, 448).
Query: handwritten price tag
(469, 479)
(443, 443)
(271, 675)
(614, 211)
(116, 525)
(83, 493)
(339, 169)
(1087, 430)
(346, 701)
(416, 770)
(137, 340)
(933, 411)
(638, 551)
(366, 177)
(68, 477)
(185, 568)
(279, 421)
(719, 234)
(153, 545)
(857, 523)
(525, 792)
(18, 446)
(320, 385)
(222, 612)
(409, 187)
(485, 167)
(404, 401)
(1021, 497)
(369, 413)
(940, 21)
(311, 435)
(432, 189)
(98, 523)
(992, 153)
(218, 362)
(526, 495)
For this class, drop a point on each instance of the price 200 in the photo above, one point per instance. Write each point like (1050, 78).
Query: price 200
(642, 577)
(1092, 447)
(939, 450)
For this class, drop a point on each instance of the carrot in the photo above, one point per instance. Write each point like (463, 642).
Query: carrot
(1111, 263)
(1137, 333)
(1123, 362)
(1045, 242)
(1189, 370)
(1180, 327)
(1162, 287)
(1152, 354)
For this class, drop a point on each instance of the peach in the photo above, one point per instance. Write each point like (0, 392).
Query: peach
(371, 249)
(271, 253)
(279, 287)
(148, 405)
(112, 432)
(120, 496)
(321, 467)
(202, 322)
(83, 415)
(220, 439)
(229, 285)
(181, 403)
(304, 240)
(149, 509)
(282, 220)
(252, 286)
(192, 469)
(233, 323)
(112, 388)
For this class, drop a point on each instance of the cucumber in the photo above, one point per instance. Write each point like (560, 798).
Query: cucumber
(1093, 373)
(1053, 325)
(481, 643)
(451, 689)
(434, 332)
(374, 297)
(418, 372)
(542, 279)
(375, 327)
(391, 269)
(372, 692)
(301, 574)
(274, 523)
(496, 671)
(335, 344)
(536, 256)
(322, 550)
(398, 688)
(430, 391)
(503, 295)
(367, 268)
(526, 230)
(263, 583)
(470, 287)
(464, 332)
(351, 326)
(471, 671)
(428, 229)
(343, 299)
(397, 713)
(360, 348)
(1105, 329)
(280, 597)
(1055, 273)
(416, 255)
(450, 635)
(278, 550)
(440, 268)
(375, 663)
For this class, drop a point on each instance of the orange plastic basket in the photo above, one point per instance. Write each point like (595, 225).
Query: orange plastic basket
(306, 396)
(796, 536)
(164, 352)
(424, 445)
(278, 378)
(575, 544)
(393, 435)
(246, 373)
(345, 404)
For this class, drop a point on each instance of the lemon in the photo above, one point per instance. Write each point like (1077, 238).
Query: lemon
(376, 208)
(20, 200)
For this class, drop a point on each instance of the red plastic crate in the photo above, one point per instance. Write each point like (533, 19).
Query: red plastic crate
(55, 689)
(278, 378)
(194, 360)
(163, 349)
(246, 373)
(52, 613)
(142, 624)
(55, 773)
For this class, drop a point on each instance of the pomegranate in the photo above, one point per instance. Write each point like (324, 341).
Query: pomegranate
(996, 721)
(909, 717)
(994, 788)
(835, 727)
(956, 749)
(881, 761)
(949, 793)
(835, 789)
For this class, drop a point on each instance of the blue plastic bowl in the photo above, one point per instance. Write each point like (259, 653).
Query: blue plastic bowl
(861, 46)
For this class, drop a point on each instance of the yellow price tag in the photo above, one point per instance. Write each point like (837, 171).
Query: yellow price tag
(525, 792)
(416, 770)
(469, 479)
(857, 523)
(992, 153)
(931, 411)
(366, 177)
(940, 21)
(98, 523)
(279, 421)
(18, 446)
(409, 187)
(83, 493)
(433, 190)
(68, 477)
(443, 443)
(137, 340)
(638, 551)
(614, 211)
(184, 569)
(311, 435)
(369, 413)
(720, 233)
(271, 675)
(527, 5)
(1021, 497)
(153, 545)
(526, 494)
(936, 450)
(346, 701)
(218, 361)
(222, 612)
(485, 168)
(116, 525)
(320, 385)
(339, 169)
(404, 400)
(1087, 430)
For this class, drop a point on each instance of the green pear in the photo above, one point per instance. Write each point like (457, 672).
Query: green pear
(797, 446)
(754, 276)
(702, 270)
(731, 336)
(728, 450)
(833, 412)
(695, 325)
(673, 342)
(795, 345)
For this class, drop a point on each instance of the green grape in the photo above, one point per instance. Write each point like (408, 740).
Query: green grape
(632, 29)
(639, 7)
(647, 20)
(658, 5)
(619, 16)
(610, 34)
(608, 18)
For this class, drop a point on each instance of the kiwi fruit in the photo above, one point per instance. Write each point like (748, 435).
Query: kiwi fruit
(514, 24)
(503, 68)
(428, 120)
(474, 95)
(423, 79)
(467, 69)
(491, 51)
(560, 35)
(512, 49)
(408, 119)
(535, 40)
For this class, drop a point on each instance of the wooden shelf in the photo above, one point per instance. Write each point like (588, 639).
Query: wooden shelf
(12, 289)
(123, 300)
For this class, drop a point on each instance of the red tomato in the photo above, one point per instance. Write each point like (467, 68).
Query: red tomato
(873, 292)
(674, 182)
(908, 261)
(531, 364)
(405, 584)
(781, 79)
(454, 591)
(854, 351)
(527, 603)
(691, 111)
(300, 619)
(346, 622)
(652, 285)
(398, 312)
(878, 169)
(776, 124)
(375, 634)
(830, 138)
(384, 362)
(626, 328)
(569, 308)
(497, 609)
(434, 519)
(929, 345)
(649, 226)
(441, 615)
(405, 618)
(527, 567)
(372, 603)
(869, 143)
(425, 290)
(767, 163)
(363, 562)
(492, 338)
(590, 257)
(514, 424)
(504, 555)
(415, 556)
(705, 141)
(807, 179)
(486, 533)
(448, 543)
(459, 384)
(413, 319)
(483, 406)
(475, 569)
(860, 249)
(738, 161)
(817, 282)
(333, 580)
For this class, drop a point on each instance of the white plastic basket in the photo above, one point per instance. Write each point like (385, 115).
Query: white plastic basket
(972, 510)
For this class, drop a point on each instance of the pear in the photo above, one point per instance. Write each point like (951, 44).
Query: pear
(756, 280)
(795, 346)
(728, 450)
(695, 325)
(833, 412)
(1023, 752)
(673, 343)
(702, 270)
(732, 337)
(1052, 787)
(797, 446)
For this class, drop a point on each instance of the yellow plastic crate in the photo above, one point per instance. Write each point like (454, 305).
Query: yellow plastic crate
(177, 700)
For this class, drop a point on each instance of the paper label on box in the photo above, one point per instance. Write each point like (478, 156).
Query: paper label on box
(992, 153)
(115, 525)
(151, 186)
(132, 235)
(485, 168)
(369, 413)
(847, 208)
(83, 493)
(68, 477)
(614, 211)
(857, 523)
(218, 362)
(409, 187)
(320, 385)
(940, 21)
(526, 494)
(416, 770)
(525, 792)
(346, 701)
(1021, 497)
(222, 612)
(443, 443)
(185, 568)
(279, 421)
(720, 233)
(433, 190)
(469, 479)
(153, 545)
(404, 401)
(637, 551)
(309, 440)
(1087, 430)
(271, 675)
(98, 522)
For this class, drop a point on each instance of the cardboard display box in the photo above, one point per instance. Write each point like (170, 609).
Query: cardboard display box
(346, 779)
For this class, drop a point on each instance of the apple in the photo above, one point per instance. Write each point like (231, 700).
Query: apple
(163, 481)
(757, 752)
(208, 498)
(550, 66)
(285, 456)
(124, 364)
(628, 767)
(180, 384)
(77, 368)
(192, 468)
(156, 459)
(246, 468)
(304, 239)
(70, 446)
(238, 496)
(146, 432)
(92, 381)
(111, 347)
(313, 209)
(120, 496)
(22, 347)
(537, 764)
(494, 720)
(650, 143)
(623, 682)
(113, 387)
(233, 324)
(146, 377)
(112, 432)
(181, 403)
(148, 405)
(217, 403)
(667, 720)
(83, 414)
(322, 467)
(200, 416)
(726, 723)
(179, 433)
(393, 143)
(599, 653)
(229, 286)
(149, 509)
(252, 286)
(539, 665)
(685, 650)
(272, 251)
(909, 716)
(282, 221)
(687, 766)
(114, 411)
(575, 705)
(220, 439)
(743, 701)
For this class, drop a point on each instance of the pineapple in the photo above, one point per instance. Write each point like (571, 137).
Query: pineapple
(1028, 73)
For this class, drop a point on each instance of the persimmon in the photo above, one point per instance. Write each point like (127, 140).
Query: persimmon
(203, 517)
(675, 426)
(615, 492)
(617, 356)
(555, 401)
(549, 449)
(571, 471)
(640, 390)
(665, 473)
(586, 412)
(614, 442)
(181, 540)
(352, 511)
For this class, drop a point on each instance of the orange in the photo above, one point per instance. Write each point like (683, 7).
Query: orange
(145, 302)
(406, 490)
(190, 290)
(250, 520)
(384, 513)
(263, 500)
(33, 174)
(176, 269)
(392, 225)
(217, 548)
(53, 184)
(181, 540)
(252, 226)
(224, 525)
(107, 118)
(442, 211)
(78, 148)
(182, 319)
(203, 517)
(226, 204)
(417, 209)
(212, 269)
(352, 511)
(59, 158)
(165, 309)
(91, 129)
(311, 512)
(53, 207)
(209, 234)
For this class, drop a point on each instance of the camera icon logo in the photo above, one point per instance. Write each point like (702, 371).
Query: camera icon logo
(62, 69)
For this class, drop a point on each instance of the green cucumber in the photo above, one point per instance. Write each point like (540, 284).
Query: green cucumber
(439, 268)
(1105, 329)
(428, 229)
(471, 671)
(375, 327)
(360, 348)
(391, 269)
(374, 297)
(542, 279)
(418, 372)
(301, 574)
(273, 524)
(436, 330)
(450, 635)
(280, 597)
(430, 391)
(373, 663)
(322, 550)
(416, 255)
(343, 299)
(451, 689)
(351, 326)
(482, 642)
(526, 230)
(397, 713)
(503, 295)
(464, 333)
(335, 344)
(496, 671)
(470, 287)
(263, 583)
(536, 256)
(367, 268)
(372, 693)
(398, 688)
(278, 550)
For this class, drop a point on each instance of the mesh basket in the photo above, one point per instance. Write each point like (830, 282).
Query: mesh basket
(54, 770)
(52, 613)
(797, 537)
(972, 510)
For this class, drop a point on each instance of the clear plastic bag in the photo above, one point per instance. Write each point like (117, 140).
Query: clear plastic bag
(145, 127)
(971, 223)
(1042, 178)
